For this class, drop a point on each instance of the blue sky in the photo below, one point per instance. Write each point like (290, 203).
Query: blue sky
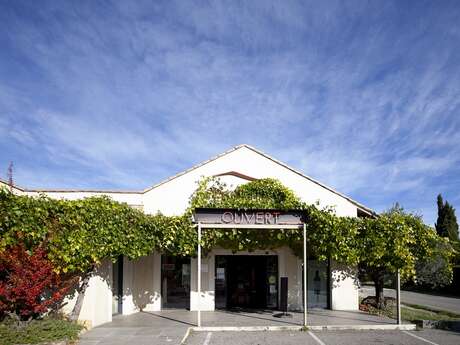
(361, 95)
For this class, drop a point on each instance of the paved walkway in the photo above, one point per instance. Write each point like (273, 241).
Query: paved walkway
(169, 327)
(451, 304)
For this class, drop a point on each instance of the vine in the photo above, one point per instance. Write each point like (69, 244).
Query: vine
(79, 234)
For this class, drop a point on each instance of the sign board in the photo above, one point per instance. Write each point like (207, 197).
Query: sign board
(248, 217)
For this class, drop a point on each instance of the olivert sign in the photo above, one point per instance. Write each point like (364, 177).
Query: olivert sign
(247, 217)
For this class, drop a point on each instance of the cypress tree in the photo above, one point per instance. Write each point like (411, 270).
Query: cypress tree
(446, 224)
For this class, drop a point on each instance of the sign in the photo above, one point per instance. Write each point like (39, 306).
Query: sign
(248, 217)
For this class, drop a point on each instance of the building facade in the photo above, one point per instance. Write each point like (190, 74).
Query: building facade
(228, 280)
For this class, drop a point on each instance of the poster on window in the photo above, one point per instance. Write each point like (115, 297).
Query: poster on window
(317, 284)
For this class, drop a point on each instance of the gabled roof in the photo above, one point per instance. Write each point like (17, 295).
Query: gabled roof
(360, 206)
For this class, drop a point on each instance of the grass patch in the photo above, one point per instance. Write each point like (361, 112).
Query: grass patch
(39, 331)
(411, 312)
(446, 314)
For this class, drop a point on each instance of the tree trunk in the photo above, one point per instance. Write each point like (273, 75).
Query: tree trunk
(378, 283)
(81, 296)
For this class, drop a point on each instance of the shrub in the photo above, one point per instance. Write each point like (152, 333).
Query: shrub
(39, 331)
(29, 285)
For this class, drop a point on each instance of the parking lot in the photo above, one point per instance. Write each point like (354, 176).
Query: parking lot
(434, 337)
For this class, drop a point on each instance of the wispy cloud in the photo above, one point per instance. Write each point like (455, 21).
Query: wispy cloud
(362, 96)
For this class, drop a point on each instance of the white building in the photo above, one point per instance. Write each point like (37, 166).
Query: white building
(243, 279)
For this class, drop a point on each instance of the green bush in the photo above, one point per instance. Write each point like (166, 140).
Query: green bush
(38, 331)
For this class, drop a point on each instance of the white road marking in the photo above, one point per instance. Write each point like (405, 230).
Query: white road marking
(420, 338)
(318, 340)
(185, 336)
(208, 339)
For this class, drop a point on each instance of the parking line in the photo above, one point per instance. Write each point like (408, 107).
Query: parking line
(420, 338)
(208, 339)
(318, 340)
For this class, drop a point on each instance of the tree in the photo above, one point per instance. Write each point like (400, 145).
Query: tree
(29, 285)
(436, 270)
(446, 224)
(396, 241)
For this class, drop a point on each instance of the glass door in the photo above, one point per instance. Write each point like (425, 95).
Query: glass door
(272, 281)
(246, 281)
(221, 282)
(117, 286)
(175, 282)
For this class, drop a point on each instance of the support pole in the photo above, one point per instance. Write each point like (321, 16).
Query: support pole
(398, 297)
(199, 277)
(305, 275)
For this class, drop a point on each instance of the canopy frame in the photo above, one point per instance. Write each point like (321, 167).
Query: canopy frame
(217, 226)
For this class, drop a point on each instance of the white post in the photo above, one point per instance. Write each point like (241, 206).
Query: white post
(199, 277)
(305, 275)
(398, 297)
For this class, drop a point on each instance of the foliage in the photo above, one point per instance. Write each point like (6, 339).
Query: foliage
(258, 194)
(435, 270)
(39, 331)
(28, 284)
(78, 234)
(446, 224)
(410, 313)
(396, 241)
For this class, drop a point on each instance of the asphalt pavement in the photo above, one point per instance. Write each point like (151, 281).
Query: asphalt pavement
(433, 337)
(451, 304)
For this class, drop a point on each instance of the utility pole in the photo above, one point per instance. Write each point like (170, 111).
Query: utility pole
(10, 176)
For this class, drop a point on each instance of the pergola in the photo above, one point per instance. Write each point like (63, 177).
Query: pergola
(215, 218)
(212, 218)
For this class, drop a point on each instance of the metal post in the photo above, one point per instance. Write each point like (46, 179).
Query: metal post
(199, 276)
(398, 297)
(305, 275)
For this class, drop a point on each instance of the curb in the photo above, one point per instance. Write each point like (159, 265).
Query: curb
(405, 327)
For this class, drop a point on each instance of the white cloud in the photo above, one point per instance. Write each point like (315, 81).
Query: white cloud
(129, 93)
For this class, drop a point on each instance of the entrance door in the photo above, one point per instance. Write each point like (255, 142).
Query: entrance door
(117, 286)
(175, 282)
(247, 281)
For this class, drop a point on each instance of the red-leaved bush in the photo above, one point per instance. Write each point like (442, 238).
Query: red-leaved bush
(29, 286)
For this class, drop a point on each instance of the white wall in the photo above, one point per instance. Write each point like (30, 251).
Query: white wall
(97, 304)
(345, 288)
(172, 197)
